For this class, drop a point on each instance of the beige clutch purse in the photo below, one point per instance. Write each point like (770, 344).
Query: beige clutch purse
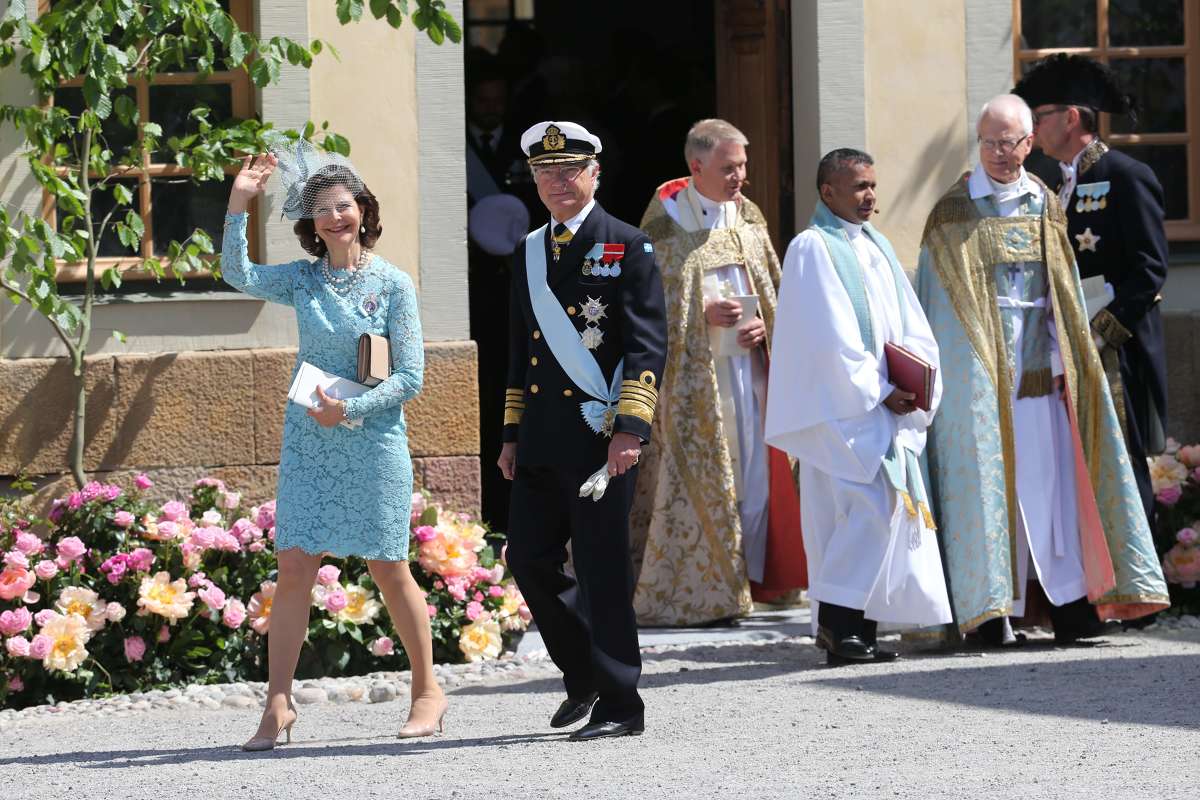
(374, 359)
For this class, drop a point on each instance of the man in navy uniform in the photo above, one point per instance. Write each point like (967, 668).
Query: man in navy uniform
(587, 344)
(1114, 207)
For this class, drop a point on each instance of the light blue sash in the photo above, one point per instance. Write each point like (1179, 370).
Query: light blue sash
(564, 342)
(845, 263)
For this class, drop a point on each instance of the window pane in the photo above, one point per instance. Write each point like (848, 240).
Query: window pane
(1058, 23)
(1142, 23)
(171, 107)
(1157, 84)
(181, 206)
(102, 203)
(1169, 163)
(118, 137)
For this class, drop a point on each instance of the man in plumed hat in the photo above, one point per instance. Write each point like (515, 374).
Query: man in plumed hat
(587, 344)
(1114, 207)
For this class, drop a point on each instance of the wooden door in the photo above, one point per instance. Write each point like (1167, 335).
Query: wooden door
(754, 92)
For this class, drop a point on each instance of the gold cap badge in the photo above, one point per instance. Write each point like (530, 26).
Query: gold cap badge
(553, 140)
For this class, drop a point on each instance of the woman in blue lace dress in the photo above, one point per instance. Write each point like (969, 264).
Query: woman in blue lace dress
(345, 476)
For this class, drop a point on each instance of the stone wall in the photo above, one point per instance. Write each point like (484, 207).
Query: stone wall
(178, 416)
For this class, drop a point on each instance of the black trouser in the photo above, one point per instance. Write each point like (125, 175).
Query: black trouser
(587, 622)
(843, 622)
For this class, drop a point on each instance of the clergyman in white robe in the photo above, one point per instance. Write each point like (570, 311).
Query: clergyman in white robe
(866, 548)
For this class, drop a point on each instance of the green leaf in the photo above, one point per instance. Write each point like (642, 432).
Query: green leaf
(380, 7)
(202, 241)
(152, 129)
(435, 34)
(260, 72)
(126, 108)
(122, 195)
(395, 17)
(316, 45)
(453, 31)
(238, 48)
(134, 221)
(222, 25)
(343, 11)
(120, 337)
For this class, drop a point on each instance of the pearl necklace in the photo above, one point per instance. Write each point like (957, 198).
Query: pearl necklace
(344, 282)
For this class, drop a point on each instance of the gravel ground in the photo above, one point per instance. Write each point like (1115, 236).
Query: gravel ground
(758, 719)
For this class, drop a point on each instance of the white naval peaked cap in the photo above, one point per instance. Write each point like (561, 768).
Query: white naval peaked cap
(559, 142)
(498, 223)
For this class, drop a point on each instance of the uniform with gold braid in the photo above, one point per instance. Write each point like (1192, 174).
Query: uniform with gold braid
(607, 283)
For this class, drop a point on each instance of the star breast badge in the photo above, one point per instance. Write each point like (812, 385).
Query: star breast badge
(592, 337)
(1087, 240)
(593, 309)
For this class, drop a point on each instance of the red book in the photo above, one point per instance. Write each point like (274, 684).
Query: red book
(910, 372)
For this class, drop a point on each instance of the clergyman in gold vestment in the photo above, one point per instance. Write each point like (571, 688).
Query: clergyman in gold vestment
(716, 517)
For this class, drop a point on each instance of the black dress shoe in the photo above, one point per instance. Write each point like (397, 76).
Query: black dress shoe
(607, 730)
(844, 650)
(1077, 620)
(572, 710)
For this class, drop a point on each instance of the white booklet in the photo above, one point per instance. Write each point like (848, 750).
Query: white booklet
(724, 341)
(1097, 294)
(308, 378)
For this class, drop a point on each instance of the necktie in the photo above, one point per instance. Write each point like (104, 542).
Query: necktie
(562, 236)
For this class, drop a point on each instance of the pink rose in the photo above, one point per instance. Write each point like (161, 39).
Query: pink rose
(164, 634)
(142, 482)
(432, 609)
(212, 596)
(497, 574)
(457, 590)
(141, 559)
(265, 518)
(91, 491)
(45, 570)
(56, 510)
(71, 548)
(44, 616)
(75, 501)
(15, 558)
(15, 621)
(328, 575)
(17, 647)
(438, 585)
(197, 580)
(1189, 455)
(111, 492)
(495, 591)
(477, 597)
(383, 646)
(15, 684)
(135, 648)
(114, 612)
(29, 544)
(122, 519)
(425, 533)
(474, 609)
(231, 500)
(1169, 496)
(15, 581)
(234, 614)
(419, 504)
(173, 511)
(41, 646)
(168, 530)
(1187, 536)
(335, 600)
(114, 568)
(256, 546)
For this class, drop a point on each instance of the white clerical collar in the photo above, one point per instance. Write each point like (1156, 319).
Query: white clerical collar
(574, 222)
(980, 184)
(714, 213)
(853, 229)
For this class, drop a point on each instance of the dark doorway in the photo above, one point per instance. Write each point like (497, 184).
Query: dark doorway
(638, 75)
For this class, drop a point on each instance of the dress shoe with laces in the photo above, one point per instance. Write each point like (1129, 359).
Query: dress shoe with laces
(572, 710)
(845, 649)
(609, 730)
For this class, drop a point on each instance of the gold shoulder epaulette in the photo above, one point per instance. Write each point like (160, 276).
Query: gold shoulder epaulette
(639, 398)
(514, 406)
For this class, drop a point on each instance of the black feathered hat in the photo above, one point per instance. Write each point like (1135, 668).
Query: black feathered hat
(1067, 80)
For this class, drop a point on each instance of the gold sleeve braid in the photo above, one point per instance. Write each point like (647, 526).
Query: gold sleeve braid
(514, 406)
(639, 398)
(1111, 331)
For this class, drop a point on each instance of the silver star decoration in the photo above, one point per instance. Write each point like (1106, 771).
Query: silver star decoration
(592, 337)
(1087, 240)
(593, 309)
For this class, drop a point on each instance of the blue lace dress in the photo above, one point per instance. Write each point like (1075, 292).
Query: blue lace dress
(342, 491)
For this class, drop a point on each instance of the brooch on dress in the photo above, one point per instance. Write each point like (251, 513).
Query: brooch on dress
(369, 304)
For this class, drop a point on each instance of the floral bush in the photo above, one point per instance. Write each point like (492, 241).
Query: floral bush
(116, 593)
(1176, 478)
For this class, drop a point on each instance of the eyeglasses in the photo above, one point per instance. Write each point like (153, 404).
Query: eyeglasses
(565, 174)
(1038, 116)
(1005, 146)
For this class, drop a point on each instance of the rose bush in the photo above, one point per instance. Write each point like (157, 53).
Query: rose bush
(1176, 478)
(116, 593)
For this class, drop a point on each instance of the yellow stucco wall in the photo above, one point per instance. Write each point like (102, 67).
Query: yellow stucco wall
(370, 96)
(916, 112)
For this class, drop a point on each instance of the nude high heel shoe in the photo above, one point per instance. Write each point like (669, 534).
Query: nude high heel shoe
(260, 743)
(411, 731)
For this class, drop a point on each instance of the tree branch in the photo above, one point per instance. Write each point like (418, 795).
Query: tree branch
(21, 293)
